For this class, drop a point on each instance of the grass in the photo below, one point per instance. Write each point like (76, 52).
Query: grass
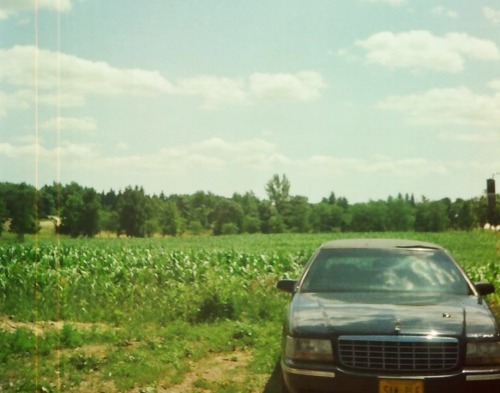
(155, 355)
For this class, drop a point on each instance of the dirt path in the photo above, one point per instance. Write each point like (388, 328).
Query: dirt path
(39, 327)
(218, 368)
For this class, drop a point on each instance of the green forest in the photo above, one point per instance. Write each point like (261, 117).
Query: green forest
(80, 211)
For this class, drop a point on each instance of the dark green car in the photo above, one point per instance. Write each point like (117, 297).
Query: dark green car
(388, 316)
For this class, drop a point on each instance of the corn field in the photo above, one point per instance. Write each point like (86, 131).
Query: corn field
(196, 280)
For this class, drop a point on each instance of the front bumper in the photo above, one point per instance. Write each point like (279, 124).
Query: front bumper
(313, 379)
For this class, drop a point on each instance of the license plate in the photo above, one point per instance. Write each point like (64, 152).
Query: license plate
(400, 386)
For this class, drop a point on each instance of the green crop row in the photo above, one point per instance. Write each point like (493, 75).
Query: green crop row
(164, 280)
(86, 283)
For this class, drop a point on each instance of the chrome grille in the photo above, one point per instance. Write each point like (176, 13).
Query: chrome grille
(399, 353)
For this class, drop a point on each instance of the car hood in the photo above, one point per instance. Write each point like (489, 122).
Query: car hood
(319, 314)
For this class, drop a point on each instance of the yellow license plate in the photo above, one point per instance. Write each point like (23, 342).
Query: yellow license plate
(400, 386)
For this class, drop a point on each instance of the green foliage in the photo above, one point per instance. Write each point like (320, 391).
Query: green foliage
(431, 217)
(326, 217)
(115, 280)
(228, 218)
(70, 337)
(21, 209)
(170, 219)
(278, 191)
(132, 212)
(3, 215)
(81, 211)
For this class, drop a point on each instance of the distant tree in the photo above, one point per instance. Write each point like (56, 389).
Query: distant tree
(368, 217)
(109, 200)
(22, 210)
(170, 221)
(276, 222)
(49, 200)
(71, 215)
(227, 212)
(250, 205)
(230, 228)
(400, 214)
(109, 220)
(331, 200)
(251, 224)
(195, 227)
(343, 203)
(296, 214)
(90, 225)
(431, 216)
(80, 212)
(326, 217)
(461, 215)
(3, 214)
(132, 213)
(152, 227)
(201, 208)
(154, 210)
(278, 191)
(265, 214)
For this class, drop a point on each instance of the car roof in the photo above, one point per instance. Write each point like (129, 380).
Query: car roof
(379, 243)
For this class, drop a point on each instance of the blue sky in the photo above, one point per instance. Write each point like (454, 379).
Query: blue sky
(364, 98)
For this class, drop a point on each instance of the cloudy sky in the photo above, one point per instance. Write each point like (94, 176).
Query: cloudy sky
(365, 98)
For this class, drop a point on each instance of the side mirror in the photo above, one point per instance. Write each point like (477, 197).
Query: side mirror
(286, 285)
(484, 288)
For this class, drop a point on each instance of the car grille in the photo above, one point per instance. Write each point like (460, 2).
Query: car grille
(399, 353)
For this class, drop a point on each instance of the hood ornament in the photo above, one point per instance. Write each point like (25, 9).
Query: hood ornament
(397, 326)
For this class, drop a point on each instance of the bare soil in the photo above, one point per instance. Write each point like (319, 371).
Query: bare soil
(39, 327)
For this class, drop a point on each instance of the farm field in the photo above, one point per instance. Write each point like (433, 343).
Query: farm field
(197, 314)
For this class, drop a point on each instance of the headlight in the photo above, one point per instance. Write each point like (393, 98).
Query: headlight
(308, 349)
(483, 353)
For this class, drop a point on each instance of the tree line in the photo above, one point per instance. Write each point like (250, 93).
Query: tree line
(82, 211)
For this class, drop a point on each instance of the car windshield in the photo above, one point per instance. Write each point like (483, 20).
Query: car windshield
(374, 270)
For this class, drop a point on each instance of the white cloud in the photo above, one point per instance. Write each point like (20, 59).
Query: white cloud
(251, 153)
(453, 106)
(215, 91)
(122, 146)
(494, 84)
(80, 154)
(389, 2)
(11, 7)
(422, 49)
(216, 155)
(70, 124)
(211, 155)
(302, 86)
(67, 80)
(381, 165)
(446, 12)
(344, 54)
(10, 101)
(57, 79)
(486, 138)
(492, 15)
